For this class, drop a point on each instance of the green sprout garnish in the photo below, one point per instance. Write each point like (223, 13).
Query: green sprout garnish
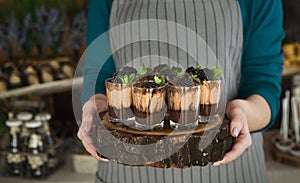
(177, 69)
(194, 77)
(127, 79)
(180, 74)
(143, 70)
(165, 68)
(124, 79)
(159, 80)
(198, 67)
(131, 78)
(217, 72)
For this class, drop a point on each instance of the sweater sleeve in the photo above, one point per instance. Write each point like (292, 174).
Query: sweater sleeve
(99, 64)
(262, 61)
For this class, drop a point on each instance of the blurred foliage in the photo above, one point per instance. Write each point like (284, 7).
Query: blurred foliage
(42, 28)
(20, 8)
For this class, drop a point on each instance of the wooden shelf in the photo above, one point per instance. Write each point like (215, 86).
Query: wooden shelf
(291, 71)
(45, 88)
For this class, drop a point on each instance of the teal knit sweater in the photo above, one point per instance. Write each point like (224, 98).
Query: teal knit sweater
(261, 62)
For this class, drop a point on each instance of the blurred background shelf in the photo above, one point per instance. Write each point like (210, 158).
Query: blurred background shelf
(45, 88)
(291, 71)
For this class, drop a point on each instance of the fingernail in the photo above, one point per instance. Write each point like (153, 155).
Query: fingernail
(104, 160)
(216, 164)
(235, 132)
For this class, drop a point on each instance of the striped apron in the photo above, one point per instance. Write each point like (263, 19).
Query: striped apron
(187, 33)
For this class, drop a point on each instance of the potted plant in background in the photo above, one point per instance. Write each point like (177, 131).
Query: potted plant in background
(49, 27)
(76, 37)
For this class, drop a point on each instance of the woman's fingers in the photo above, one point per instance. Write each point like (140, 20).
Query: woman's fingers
(92, 150)
(88, 144)
(238, 121)
(240, 145)
(95, 104)
(239, 129)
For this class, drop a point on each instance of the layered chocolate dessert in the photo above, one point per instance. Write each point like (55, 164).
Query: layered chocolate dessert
(183, 100)
(210, 91)
(119, 96)
(149, 105)
(210, 96)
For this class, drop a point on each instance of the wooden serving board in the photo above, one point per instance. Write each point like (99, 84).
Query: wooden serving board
(197, 147)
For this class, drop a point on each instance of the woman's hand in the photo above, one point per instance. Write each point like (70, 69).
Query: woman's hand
(239, 129)
(246, 115)
(96, 104)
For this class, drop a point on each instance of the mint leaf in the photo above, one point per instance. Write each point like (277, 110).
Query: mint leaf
(165, 68)
(157, 80)
(131, 78)
(142, 70)
(177, 69)
(180, 74)
(194, 77)
(124, 79)
(163, 80)
(198, 67)
(217, 73)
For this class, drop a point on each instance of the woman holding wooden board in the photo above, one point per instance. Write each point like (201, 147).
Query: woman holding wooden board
(245, 36)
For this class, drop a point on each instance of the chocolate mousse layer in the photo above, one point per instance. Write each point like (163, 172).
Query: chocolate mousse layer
(183, 104)
(185, 118)
(208, 109)
(149, 105)
(209, 99)
(124, 113)
(149, 119)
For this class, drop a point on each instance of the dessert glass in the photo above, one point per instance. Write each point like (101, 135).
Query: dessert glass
(149, 106)
(209, 100)
(183, 105)
(119, 99)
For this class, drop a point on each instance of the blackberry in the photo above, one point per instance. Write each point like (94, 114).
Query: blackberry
(160, 67)
(168, 74)
(177, 69)
(118, 80)
(201, 75)
(127, 71)
(153, 85)
(115, 74)
(147, 85)
(185, 81)
(209, 74)
(191, 70)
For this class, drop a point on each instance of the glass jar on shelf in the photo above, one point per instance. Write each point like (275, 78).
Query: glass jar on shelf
(14, 156)
(24, 135)
(45, 128)
(36, 153)
(48, 138)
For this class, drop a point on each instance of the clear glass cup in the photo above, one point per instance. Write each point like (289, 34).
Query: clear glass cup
(149, 106)
(183, 106)
(119, 99)
(209, 100)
